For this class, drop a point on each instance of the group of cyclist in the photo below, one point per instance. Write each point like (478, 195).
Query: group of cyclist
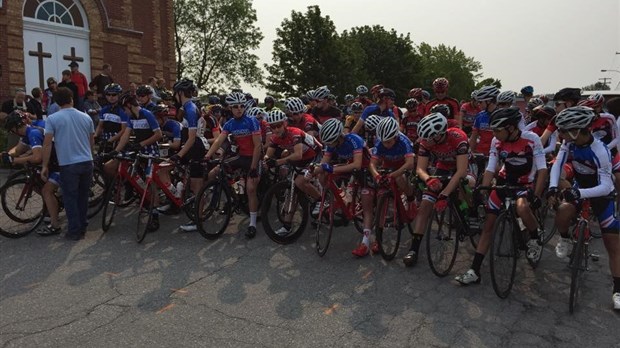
(371, 138)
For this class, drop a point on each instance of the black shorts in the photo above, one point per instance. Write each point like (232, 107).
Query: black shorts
(196, 153)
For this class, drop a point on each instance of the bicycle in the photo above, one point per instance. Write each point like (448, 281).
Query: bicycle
(446, 229)
(507, 242)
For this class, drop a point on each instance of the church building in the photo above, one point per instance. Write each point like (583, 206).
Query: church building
(39, 38)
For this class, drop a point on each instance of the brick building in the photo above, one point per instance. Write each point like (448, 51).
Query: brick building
(38, 39)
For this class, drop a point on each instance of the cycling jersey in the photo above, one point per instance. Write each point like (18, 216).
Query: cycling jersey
(409, 125)
(452, 103)
(172, 129)
(39, 123)
(521, 158)
(535, 128)
(364, 100)
(485, 134)
(455, 144)
(375, 109)
(605, 129)
(190, 120)
(351, 145)
(325, 114)
(211, 126)
(144, 126)
(150, 106)
(264, 129)
(307, 123)
(33, 137)
(112, 117)
(293, 136)
(469, 113)
(242, 129)
(394, 157)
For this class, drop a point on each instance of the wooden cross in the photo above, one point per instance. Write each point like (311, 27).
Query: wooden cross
(40, 55)
(73, 57)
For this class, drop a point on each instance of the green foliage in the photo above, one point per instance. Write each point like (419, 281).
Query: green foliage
(598, 86)
(214, 39)
(488, 82)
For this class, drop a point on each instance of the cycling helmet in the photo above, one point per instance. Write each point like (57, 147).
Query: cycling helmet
(473, 94)
(235, 98)
(527, 90)
(213, 99)
(270, 99)
(598, 100)
(250, 103)
(372, 122)
(376, 89)
(505, 117)
(588, 102)
(487, 93)
(442, 109)
(165, 95)
(387, 129)
(349, 97)
(386, 92)
(144, 90)
(331, 130)
(361, 89)
(440, 84)
(321, 93)
(127, 98)
(534, 103)
(357, 106)
(432, 125)
(304, 99)
(255, 112)
(425, 94)
(543, 97)
(411, 103)
(576, 117)
(310, 94)
(415, 93)
(184, 84)
(331, 97)
(113, 88)
(215, 108)
(13, 120)
(572, 94)
(160, 110)
(542, 112)
(276, 116)
(507, 97)
(295, 105)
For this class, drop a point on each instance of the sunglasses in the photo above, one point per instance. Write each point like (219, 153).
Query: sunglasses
(277, 125)
(111, 95)
(238, 106)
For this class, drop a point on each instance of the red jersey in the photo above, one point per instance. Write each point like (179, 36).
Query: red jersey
(307, 123)
(521, 159)
(454, 145)
(293, 136)
(469, 114)
(452, 103)
(409, 126)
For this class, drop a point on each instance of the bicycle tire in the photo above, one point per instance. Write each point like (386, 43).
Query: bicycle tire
(110, 204)
(577, 266)
(542, 221)
(503, 247)
(442, 243)
(277, 197)
(209, 207)
(145, 213)
(26, 193)
(325, 224)
(14, 229)
(96, 196)
(386, 217)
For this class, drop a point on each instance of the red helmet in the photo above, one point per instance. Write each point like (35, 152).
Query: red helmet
(598, 99)
(591, 103)
(376, 89)
(440, 84)
(543, 97)
(415, 93)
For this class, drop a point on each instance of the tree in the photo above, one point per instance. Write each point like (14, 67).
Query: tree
(598, 86)
(453, 64)
(214, 40)
(489, 82)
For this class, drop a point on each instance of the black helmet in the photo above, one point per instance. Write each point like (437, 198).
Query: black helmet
(13, 120)
(573, 94)
(113, 88)
(165, 95)
(505, 117)
(542, 112)
(184, 84)
(442, 109)
(160, 110)
(127, 98)
(213, 99)
(386, 92)
(269, 99)
(143, 90)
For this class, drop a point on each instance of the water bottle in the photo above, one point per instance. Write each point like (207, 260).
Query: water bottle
(179, 189)
(172, 189)
(464, 207)
(140, 182)
(348, 194)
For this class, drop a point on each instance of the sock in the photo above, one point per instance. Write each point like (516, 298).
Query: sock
(415, 242)
(366, 239)
(616, 284)
(477, 263)
(253, 219)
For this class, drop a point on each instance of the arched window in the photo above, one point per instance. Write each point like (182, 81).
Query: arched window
(65, 12)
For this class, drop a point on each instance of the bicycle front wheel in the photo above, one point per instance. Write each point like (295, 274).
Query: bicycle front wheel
(503, 259)
(96, 194)
(442, 243)
(284, 213)
(577, 265)
(145, 214)
(388, 226)
(22, 206)
(325, 223)
(213, 210)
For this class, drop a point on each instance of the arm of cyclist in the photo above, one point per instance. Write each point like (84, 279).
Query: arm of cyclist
(297, 155)
(349, 167)
(47, 153)
(216, 144)
(407, 166)
(462, 162)
(422, 168)
(540, 163)
(191, 138)
(473, 140)
(123, 141)
(358, 126)
(605, 182)
(157, 135)
(459, 118)
(34, 157)
(553, 139)
(615, 133)
(546, 134)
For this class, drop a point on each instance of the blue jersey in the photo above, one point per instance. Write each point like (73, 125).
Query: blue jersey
(39, 123)
(243, 129)
(112, 117)
(143, 128)
(374, 109)
(191, 114)
(352, 145)
(394, 157)
(172, 129)
(33, 137)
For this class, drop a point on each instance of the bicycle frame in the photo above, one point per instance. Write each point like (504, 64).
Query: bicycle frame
(348, 209)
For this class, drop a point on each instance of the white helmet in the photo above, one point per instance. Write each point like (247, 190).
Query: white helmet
(331, 130)
(275, 116)
(361, 89)
(487, 93)
(235, 98)
(576, 117)
(294, 105)
(371, 122)
(432, 125)
(387, 129)
(321, 93)
(310, 94)
(507, 97)
(256, 112)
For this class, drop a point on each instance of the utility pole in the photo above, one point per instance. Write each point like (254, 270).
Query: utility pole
(604, 79)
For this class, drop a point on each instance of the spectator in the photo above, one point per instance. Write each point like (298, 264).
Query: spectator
(36, 100)
(48, 94)
(161, 86)
(73, 135)
(133, 87)
(153, 84)
(53, 108)
(100, 81)
(66, 82)
(80, 81)
(92, 107)
(17, 103)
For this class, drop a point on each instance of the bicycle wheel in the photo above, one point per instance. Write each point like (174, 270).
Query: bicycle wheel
(545, 219)
(23, 208)
(188, 201)
(577, 265)
(325, 223)
(388, 226)
(442, 243)
(96, 194)
(213, 209)
(110, 203)
(503, 259)
(145, 214)
(283, 208)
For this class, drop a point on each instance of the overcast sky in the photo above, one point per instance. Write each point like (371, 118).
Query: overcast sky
(548, 44)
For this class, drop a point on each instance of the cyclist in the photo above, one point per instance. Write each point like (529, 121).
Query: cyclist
(593, 180)
(531, 105)
(394, 151)
(440, 87)
(211, 113)
(564, 98)
(259, 115)
(418, 95)
(469, 111)
(112, 119)
(246, 132)
(292, 146)
(450, 147)
(323, 110)
(348, 100)
(527, 92)
(507, 99)
(445, 111)
(351, 120)
(349, 147)
(541, 117)
(410, 120)
(481, 135)
(145, 95)
(375, 91)
(520, 154)
(382, 108)
(370, 129)
(362, 95)
(270, 102)
(29, 150)
(298, 118)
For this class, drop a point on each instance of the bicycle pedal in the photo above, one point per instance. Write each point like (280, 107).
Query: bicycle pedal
(594, 257)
